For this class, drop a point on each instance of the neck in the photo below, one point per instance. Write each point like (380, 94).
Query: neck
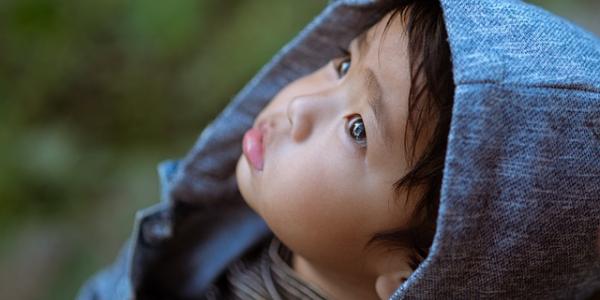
(336, 285)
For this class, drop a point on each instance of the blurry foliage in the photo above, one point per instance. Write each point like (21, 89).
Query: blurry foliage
(581, 12)
(84, 80)
(93, 94)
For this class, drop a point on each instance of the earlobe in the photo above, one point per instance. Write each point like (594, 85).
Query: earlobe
(386, 284)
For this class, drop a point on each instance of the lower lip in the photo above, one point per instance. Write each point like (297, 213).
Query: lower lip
(253, 148)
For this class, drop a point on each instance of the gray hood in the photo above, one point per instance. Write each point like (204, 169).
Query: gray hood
(520, 200)
(519, 212)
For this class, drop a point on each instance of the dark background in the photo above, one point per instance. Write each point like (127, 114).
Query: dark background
(93, 94)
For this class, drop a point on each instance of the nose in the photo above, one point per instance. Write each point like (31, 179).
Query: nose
(305, 113)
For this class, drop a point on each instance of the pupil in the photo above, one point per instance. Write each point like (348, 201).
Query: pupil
(358, 129)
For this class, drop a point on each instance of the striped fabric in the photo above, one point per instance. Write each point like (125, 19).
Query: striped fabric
(265, 275)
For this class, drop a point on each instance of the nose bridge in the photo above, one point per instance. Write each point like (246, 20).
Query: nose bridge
(307, 111)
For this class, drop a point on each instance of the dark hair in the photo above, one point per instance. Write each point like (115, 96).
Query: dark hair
(431, 97)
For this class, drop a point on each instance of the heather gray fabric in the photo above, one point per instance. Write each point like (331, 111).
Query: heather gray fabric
(520, 201)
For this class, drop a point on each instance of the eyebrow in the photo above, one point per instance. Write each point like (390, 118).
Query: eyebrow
(375, 91)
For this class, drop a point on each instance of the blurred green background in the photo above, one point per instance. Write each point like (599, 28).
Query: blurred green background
(93, 94)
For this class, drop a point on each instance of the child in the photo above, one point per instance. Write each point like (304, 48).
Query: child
(324, 161)
(362, 188)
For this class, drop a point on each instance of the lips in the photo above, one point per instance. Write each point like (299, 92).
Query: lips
(252, 146)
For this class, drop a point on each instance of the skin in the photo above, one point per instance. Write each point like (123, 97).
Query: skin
(323, 192)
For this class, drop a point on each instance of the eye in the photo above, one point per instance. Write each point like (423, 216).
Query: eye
(343, 67)
(357, 131)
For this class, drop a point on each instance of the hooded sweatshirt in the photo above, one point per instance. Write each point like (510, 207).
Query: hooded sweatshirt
(519, 213)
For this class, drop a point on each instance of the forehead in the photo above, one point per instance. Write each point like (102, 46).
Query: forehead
(389, 32)
(383, 49)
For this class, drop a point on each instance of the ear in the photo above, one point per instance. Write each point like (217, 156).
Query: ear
(386, 284)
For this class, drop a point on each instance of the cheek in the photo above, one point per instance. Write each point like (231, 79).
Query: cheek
(314, 197)
(307, 175)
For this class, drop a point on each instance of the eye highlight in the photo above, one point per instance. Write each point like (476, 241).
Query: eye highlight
(357, 130)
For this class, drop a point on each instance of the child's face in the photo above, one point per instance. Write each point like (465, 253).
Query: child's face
(333, 148)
